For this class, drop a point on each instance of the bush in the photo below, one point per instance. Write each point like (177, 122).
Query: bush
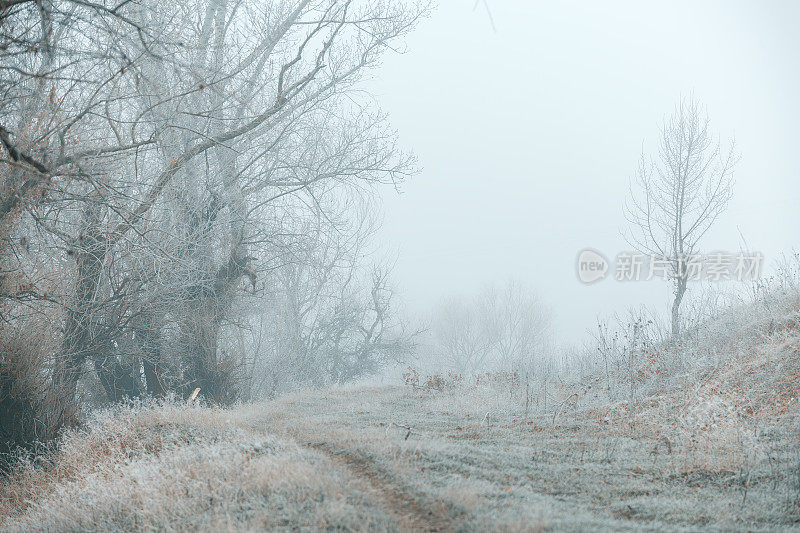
(30, 414)
(432, 382)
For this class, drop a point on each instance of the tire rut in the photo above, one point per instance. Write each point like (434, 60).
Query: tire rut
(410, 513)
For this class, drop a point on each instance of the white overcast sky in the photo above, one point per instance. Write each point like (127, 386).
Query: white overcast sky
(528, 137)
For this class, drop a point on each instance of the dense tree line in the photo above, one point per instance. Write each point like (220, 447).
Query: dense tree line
(179, 179)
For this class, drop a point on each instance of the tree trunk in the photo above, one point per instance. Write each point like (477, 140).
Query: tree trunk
(201, 335)
(205, 311)
(151, 359)
(119, 381)
(680, 290)
(78, 343)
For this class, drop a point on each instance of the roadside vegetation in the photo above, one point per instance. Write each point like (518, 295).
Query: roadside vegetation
(703, 434)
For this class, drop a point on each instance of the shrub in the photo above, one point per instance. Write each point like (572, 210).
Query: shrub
(432, 382)
(30, 414)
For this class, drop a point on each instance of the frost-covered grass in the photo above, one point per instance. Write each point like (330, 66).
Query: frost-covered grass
(173, 467)
(588, 471)
(713, 446)
(338, 459)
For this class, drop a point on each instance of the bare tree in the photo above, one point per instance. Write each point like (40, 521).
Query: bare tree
(520, 325)
(679, 194)
(461, 335)
(59, 65)
(152, 153)
(506, 328)
(235, 130)
(329, 314)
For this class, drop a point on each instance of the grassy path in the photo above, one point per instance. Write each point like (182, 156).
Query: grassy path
(410, 514)
(344, 460)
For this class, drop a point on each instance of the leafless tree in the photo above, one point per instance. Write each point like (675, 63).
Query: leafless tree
(330, 312)
(520, 324)
(153, 153)
(59, 62)
(505, 328)
(236, 128)
(461, 335)
(678, 195)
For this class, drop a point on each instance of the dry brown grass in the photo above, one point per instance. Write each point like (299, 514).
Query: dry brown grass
(340, 459)
(717, 449)
(181, 468)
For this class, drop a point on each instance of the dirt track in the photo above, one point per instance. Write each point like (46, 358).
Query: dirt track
(410, 513)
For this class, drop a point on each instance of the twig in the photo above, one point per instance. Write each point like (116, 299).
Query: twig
(409, 429)
(558, 411)
(746, 484)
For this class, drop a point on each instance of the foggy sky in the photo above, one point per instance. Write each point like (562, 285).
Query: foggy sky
(528, 137)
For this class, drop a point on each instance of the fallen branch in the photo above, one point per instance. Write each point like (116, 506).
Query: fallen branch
(558, 411)
(409, 429)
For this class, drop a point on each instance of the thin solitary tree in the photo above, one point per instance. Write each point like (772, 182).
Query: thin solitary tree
(677, 195)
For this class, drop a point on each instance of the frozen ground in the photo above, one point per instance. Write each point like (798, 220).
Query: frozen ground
(344, 459)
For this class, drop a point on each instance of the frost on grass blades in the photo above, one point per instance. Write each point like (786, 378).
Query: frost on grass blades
(398, 265)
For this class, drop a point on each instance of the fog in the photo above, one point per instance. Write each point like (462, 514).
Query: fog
(529, 135)
(388, 265)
